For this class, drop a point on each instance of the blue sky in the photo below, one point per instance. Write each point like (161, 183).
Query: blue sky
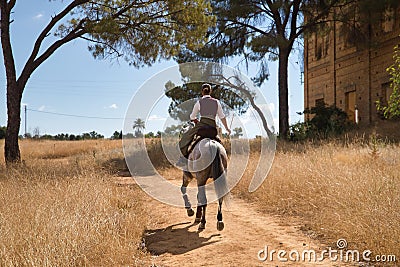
(72, 82)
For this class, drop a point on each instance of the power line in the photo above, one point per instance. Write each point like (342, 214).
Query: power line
(76, 116)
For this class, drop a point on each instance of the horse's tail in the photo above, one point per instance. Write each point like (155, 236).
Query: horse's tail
(218, 172)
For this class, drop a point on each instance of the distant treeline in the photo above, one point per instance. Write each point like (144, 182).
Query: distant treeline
(169, 131)
(63, 136)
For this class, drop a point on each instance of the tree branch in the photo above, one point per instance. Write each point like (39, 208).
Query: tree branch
(34, 61)
(9, 63)
(48, 28)
(287, 13)
(29, 68)
(263, 8)
(317, 19)
(246, 92)
(254, 28)
(293, 24)
(276, 17)
(11, 4)
(102, 43)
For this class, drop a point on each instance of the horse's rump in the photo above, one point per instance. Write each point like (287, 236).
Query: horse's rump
(209, 160)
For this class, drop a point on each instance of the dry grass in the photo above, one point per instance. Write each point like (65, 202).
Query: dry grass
(338, 191)
(69, 211)
(49, 149)
(346, 188)
(64, 210)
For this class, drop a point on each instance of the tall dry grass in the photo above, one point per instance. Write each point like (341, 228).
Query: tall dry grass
(65, 210)
(339, 190)
(69, 211)
(51, 149)
(347, 188)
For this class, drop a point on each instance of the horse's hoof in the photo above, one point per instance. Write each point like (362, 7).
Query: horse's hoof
(202, 226)
(220, 225)
(197, 220)
(190, 212)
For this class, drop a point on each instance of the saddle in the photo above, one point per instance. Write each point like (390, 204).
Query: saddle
(202, 133)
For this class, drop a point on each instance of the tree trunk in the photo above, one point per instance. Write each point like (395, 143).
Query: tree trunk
(11, 147)
(283, 92)
(14, 89)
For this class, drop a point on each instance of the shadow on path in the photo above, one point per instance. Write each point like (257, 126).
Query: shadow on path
(176, 239)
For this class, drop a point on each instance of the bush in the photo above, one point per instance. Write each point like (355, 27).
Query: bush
(327, 121)
(299, 131)
(392, 110)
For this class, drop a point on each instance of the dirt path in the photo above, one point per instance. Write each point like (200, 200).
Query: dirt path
(174, 239)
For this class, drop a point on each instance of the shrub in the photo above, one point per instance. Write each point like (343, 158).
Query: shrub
(327, 121)
(392, 110)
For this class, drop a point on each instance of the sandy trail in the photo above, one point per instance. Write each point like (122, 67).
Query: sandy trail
(174, 240)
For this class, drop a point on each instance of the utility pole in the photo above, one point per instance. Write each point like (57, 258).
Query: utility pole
(26, 122)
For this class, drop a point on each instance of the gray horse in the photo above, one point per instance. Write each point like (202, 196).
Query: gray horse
(207, 160)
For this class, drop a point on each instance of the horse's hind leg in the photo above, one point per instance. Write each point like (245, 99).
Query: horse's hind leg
(187, 177)
(220, 223)
(201, 206)
(199, 213)
(202, 224)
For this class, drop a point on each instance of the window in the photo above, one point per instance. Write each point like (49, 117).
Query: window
(388, 20)
(350, 105)
(321, 45)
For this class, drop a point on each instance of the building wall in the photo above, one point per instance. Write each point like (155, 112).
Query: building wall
(346, 75)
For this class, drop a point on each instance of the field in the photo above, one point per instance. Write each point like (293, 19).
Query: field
(62, 206)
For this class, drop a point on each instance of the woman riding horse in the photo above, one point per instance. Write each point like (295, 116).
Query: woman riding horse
(212, 152)
(208, 108)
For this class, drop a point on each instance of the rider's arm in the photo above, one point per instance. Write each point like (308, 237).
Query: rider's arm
(226, 125)
(196, 110)
(222, 117)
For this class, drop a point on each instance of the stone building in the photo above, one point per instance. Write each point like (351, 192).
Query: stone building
(342, 72)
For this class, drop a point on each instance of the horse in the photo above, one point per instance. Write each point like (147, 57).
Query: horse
(208, 159)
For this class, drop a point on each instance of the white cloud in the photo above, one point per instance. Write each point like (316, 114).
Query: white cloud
(156, 118)
(41, 108)
(113, 106)
(38, 16)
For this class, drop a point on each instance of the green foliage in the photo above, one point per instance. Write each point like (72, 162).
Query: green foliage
(71, 137)
(184, 97)
(392, 110)
(140, 31)
(327, 121)
(138, 126)
(238, 132)
(116, 135)
(149, 135)
(261, 31)
(299, 131)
